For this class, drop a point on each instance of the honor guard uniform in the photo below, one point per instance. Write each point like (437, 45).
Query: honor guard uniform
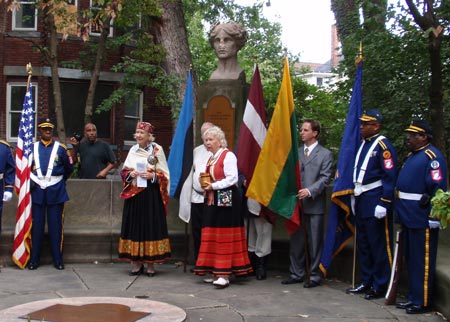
(423, 173)
(374, 177)
(51, 167)
(7, 175)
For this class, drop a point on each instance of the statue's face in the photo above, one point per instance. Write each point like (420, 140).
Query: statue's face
(224, 45)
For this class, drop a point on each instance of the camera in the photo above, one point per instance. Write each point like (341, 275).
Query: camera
(77, 137)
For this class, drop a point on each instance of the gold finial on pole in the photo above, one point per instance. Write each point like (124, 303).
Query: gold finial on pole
(360, 54)
(285, 52)
(30, 73)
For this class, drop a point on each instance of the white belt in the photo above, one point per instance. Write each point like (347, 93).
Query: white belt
(45, 182)
(359, 188)
(1, 176)
(408, 196)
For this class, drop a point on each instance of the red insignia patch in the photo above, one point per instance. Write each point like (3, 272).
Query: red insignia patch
(388, 164)
(436, 175)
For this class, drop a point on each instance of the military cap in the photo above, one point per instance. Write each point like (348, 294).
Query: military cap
(371, 115)
(46, 122)
(419, 126)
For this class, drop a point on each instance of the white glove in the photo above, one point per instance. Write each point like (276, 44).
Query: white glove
(434, 224)
(7, 195)
(380, 212)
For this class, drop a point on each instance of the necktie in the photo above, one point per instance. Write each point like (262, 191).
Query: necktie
(306, 152)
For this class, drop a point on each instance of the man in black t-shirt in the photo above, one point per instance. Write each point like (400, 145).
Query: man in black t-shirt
(96, 157)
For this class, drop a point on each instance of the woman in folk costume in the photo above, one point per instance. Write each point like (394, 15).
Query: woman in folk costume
(145, 174)
(223, 246)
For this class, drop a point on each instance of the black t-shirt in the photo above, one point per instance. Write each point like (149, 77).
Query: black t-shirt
(94, 157)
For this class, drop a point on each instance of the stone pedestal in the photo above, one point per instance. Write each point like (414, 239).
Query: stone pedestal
(222, 102)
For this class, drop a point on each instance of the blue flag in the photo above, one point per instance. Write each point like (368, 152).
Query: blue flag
(180, 156)
(341, 227)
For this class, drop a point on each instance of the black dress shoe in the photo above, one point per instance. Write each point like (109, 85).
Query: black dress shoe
(417, 309)
(137, 272)
(311, 284)
(32, 266)
(404, 305)
(374, 294)
(59, 266)
(291, 280)
(362, 288)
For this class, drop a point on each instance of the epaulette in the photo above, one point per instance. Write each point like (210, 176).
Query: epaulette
(382, 144)
(430, 154)
(63, 145)
(5, 143)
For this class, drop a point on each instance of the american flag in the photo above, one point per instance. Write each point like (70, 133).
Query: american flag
(24, 157)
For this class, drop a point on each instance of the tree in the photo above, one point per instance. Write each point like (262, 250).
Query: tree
(397, 67)
(430, 21)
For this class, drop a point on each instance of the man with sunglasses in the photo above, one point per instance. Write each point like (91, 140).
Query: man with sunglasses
(51, 167)
(423, 173)
(374, 177)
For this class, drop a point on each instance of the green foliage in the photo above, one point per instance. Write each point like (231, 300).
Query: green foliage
(440, 207)
(396, 73)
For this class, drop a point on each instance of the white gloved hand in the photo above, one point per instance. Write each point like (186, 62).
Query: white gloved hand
(434, 224)
(7, 196)
(380, 212)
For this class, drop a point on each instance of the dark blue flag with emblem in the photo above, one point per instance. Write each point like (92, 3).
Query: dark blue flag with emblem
(181, 149)
(340, 228)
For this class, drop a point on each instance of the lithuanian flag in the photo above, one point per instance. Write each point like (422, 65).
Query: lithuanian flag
(276, 179)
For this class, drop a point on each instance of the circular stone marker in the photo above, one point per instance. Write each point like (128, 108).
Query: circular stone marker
(95, 309)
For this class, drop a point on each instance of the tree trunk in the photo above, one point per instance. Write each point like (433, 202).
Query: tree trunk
(429, 23)
(53, 61)
(172, 35)
(95, 73)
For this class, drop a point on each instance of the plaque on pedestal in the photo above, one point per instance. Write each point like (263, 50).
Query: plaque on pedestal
(222, 103)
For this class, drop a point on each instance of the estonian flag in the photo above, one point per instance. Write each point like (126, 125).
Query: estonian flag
(180, 156)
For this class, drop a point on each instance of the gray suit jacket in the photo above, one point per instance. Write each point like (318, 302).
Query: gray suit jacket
(316, 174)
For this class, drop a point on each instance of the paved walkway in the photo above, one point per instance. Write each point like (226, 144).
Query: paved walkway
(246, 300)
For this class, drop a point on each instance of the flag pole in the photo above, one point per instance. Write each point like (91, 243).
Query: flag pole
(358, 60)
(186, 225)
(30, 73)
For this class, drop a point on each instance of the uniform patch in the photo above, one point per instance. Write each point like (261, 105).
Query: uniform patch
(434, 164)
(386, 154)
(436, 175)
(388, 164)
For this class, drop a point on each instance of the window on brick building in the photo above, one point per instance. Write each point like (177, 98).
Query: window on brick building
(24, 17)
(133, 114)
(73, 99)
(14, 103)
(95, 30)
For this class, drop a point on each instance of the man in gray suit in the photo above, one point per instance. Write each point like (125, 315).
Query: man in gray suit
(316, 165)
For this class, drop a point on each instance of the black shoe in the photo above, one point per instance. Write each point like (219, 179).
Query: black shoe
(291, 280)
(374, 294)
(137, 272)
(362, 288)
(404, 305)
(417, 309)
(32, 266)
(150, 273)
(59, 266)
(311, 284)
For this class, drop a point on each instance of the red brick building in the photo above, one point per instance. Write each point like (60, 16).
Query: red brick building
(18, 30)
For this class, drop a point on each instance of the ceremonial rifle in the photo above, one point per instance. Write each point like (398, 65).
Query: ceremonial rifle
(391, 293)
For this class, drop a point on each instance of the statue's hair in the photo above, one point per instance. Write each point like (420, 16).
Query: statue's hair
(235, 30)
